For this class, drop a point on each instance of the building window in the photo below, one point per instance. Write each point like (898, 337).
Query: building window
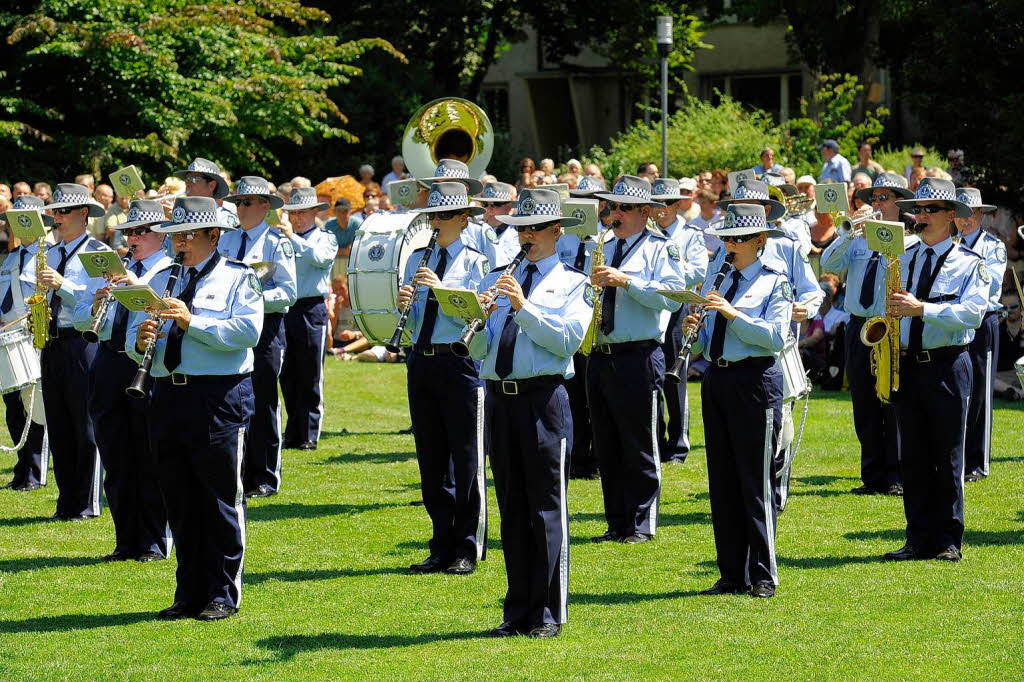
(494, 101)
(777, 94)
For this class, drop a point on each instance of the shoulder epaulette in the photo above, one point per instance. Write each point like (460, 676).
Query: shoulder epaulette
(500, 268)
(470, 248)
(971, 252)
(773, 270)
(572, 269)
(234, 261)
(658, 236)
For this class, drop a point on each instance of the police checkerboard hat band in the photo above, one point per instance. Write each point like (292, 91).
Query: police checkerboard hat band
(302, 198)
(143, 213)
(755, 190)
(496, 193)
(972, 198)
(254, 186)
(588, 186)
(744, 219)
(31, 202)
(536, 206)
(937, 189)
(630, 190)
(192, 213)
(665, 188)
(448, 196)
(777, 180)
(209, 170)
(450, 169)
(70, 195)
(897, 183)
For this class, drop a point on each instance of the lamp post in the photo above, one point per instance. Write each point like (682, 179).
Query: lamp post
(664, 36)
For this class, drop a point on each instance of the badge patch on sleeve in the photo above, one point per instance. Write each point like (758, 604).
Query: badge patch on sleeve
(491, 235)
(787, 291)
(1001, 253)
(589, 294)
(983, 272)
(804, 257)
(254, 282)
(286, 246)
(673, 251)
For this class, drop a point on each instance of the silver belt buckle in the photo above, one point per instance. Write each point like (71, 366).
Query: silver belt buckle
(428, 351)
(510, 388)
(924, 357)
(721, 362)
(179, 379)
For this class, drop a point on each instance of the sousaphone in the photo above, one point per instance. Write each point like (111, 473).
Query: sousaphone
(449, 128)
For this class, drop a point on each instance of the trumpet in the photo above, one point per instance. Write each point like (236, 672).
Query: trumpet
(394, 345)
(798, 204)
(92, 334)
(137, 389)
(855, 223)
(461, 347)
(675, 374)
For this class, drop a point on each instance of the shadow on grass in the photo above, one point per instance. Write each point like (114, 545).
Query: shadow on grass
(39, 563)
(493, 542)
(992, 538)
(823, 480)
(687, 519)
(1008, 459)
(819, 493)
(295, 510)
(612, 598)
(286, 647)
(810, 562)
(299, 575)
(19, 521)
(370, 458)
(345, 433)
(74, 621)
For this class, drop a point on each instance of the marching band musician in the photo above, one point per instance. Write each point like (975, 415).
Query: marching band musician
(874, 421)
(538, 323)
(203, 179)
(30, 471)
(741, 398)
(984, 349)
(255, 242)
(446, 396)
(201, 406)
(634, 317)
(493, 238)
(795, 227)
(121, 423)
(67, 358)
(305, 324)
(687, 242)
(946, 297)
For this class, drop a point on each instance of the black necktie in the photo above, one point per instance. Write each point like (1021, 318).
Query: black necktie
(120, 329)
(430, 311)
(608, 301)
(8, 301)
(507, 344)
(241, 249)
(55, 304)
(867, 287)
(718, 333)
(176, 335)
(924, 282)
(581, 255)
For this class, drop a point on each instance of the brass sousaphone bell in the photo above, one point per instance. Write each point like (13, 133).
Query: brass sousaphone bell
(449, 128)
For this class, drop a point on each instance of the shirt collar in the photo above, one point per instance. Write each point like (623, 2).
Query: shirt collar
(149, 261)
(544, 265)
(672, 228)
(940, 248)
(453, 249)
(199, 266)
(256, 232)
(75, 243)
(752, 270)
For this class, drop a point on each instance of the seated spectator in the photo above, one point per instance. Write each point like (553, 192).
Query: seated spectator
(300, 181)
(43, 191)
(704, 180)
(936, 172)
(958, 173)
(821, 344)
(87, 180)
(526, 171)
(97, 226)
(117, 215)
(573, 166)
(284, 190)
(1011, 348)
(568, 179)
(547, 166)
(789, 175)
(768, 163)
(19, 189)
(647, 170)
(371, 206)
(916, 161)
(719, 183)
(916, 175)
(707, 201)
(343, 227)
(687, 207)
(366, 178)
(861, 180)
(385, 203)
(397, 173)
(865, 163)
(5, 192)
(594, 171)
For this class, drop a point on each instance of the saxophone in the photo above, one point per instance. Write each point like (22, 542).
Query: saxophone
(38, 304)
(882, 333)
(596, 261)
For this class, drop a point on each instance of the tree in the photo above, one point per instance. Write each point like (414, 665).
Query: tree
(93, 84)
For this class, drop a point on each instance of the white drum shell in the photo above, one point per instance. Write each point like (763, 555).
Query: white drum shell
(794, 378)
(19, 360)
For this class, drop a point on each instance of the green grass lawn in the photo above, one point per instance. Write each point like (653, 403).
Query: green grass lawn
(327, 595)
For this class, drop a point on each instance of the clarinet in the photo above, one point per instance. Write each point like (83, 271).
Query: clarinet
(394, 345)
(92, 334)
(461, 347)
(675, 375)
(138, 386)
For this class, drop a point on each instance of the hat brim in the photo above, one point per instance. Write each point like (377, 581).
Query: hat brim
(472, 186)
(962, 209)
(741, 231)
(865, 194)
(472, 210)
(137, 223)
(492, 200)
(170, 228)
(773, 209)
(567, 221)
(305, 207)
(669, 197)
(219, 192)
(626, 199)
(96, 209)
(584, 193)
(275, 201)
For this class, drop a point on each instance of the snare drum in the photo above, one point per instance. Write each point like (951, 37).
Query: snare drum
(794, 378)
(379, 253)
(19, 360)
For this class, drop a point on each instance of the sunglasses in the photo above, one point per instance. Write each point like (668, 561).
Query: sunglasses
(66, 211)
(250, 202)
(914, 210)
(193, 179)
(622, 208)
(497, 204)
(532, 228)
(186, 236)
(738, 239)
(881, 197)
(136, 231)
(448, 215)
(670, 202)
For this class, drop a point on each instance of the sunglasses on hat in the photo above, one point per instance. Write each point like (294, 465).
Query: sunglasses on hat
(738, 239)
(914, 210)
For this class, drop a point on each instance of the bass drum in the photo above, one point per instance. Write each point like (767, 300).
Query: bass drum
(379, 254)
(795, 384)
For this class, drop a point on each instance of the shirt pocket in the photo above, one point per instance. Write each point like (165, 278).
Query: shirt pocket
(755, 299)
(212, 302)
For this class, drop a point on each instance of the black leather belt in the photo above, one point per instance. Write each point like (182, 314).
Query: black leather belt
(924, 357)
(745, 363)
(109, 347)
(517, 386)
(309, 300)
(66, 333)
(625, 346)
(434, 349)
(186, 379)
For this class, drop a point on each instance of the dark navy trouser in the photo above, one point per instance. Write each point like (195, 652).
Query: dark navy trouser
(984, 352)
(263, 441)
(302, 373)
(198, 437)
(34, 455)
(582, 459)
(673, 409)
(531, 435)
(874, 422)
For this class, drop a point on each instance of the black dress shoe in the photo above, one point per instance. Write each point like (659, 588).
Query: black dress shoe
(432, 564)
(117, 555)
(263, 490)
(461, 566)
(308, 445)
(609, 536)
(866, 490)
(724, 586)
(177, 611)
(971, 477)
(216, 610)
(895, 490)
(545, 630)
(763, 590)
(26, 487)
(905, 553)
(506, 629)
(949, 554)
(9, 484)
(636, 539)
(146, 557)
(80, 517)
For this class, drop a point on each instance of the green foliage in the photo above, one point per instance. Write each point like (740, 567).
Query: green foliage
(92, 85)
(896, 159)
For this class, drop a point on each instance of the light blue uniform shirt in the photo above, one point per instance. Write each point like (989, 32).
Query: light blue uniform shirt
(551, 323)
(10, 273)
(266, 245)
(465, 269)
(693, 250)
(227, 319)
(568, 248)
(836, 169)
(764, 300)
(500, 249)
(782, 254)
(853, 255)
(958, 298)
(315, 250)
(77, 282)
(226, 216)
(641, 313)
(993, 250)
(799, 231)
(83, 309)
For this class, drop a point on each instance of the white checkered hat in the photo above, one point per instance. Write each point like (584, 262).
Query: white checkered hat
(665, 188)
(450, 169)
(538, 206)
(192, 213)
(777, 180)
(742, 219)
(588, 186)
(972, 198)
(755, 190)
(630, 190)
(448, 196)
(70, 195)
(143, 213)
(302, 198)
(30, 202)
(209, 170)
(937, 189)
(254, 186)
(894, 181)
(496, 193)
